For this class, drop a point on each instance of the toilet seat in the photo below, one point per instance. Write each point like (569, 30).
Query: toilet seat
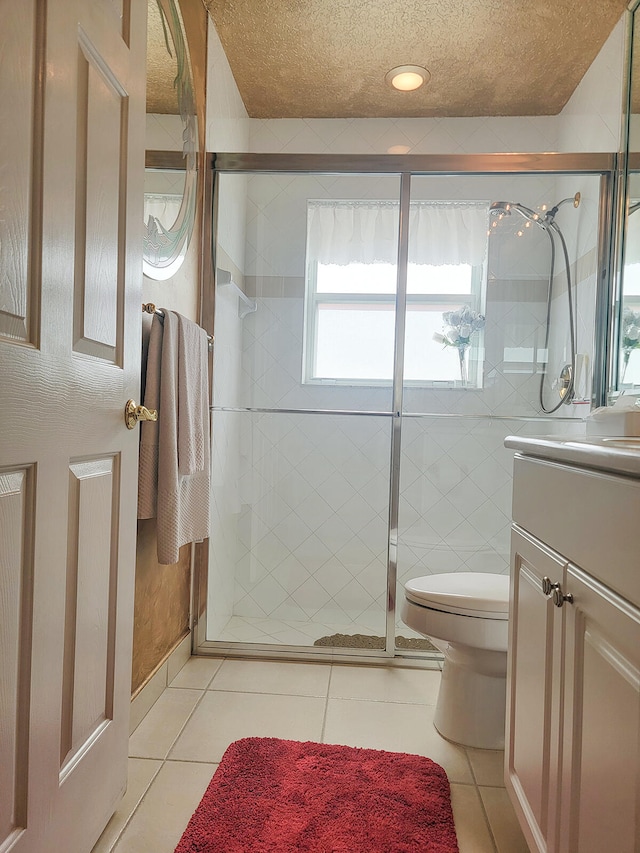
(477, 594)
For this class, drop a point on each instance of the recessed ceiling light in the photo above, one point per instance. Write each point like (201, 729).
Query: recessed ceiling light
(406, 78)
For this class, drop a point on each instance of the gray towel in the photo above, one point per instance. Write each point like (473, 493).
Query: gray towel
(180, 442)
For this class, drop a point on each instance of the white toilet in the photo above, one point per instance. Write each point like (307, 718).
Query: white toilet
(465, 614)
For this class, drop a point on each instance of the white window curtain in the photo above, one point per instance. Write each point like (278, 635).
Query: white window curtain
(164, 208)
(345, 232)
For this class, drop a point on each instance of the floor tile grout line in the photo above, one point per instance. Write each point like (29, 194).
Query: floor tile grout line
(477, 788)
(319, 696)
(116, 841)
(487, 821)
(193, 710)
(182, 727)
(470, 763)
(326, 706)
(265, 693)
(164, 760)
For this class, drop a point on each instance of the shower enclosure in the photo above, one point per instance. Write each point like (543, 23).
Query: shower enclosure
(379, 330)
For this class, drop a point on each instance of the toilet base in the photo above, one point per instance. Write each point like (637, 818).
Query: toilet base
(471, 704)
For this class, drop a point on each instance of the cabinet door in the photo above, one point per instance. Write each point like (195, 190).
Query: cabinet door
(533, 687)
(600, 775)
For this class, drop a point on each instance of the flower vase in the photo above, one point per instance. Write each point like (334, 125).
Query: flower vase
(626, 354)
(462, 354)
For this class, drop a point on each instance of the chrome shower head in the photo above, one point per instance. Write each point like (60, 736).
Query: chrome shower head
(503, 208)
(498, 208)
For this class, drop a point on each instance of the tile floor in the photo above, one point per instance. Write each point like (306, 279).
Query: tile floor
(211, 702)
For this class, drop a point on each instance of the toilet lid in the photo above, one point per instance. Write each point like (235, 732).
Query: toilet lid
(469, 593)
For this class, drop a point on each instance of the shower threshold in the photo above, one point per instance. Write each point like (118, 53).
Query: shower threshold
(247, 629)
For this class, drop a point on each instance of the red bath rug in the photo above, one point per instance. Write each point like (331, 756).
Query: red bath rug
(282, 796)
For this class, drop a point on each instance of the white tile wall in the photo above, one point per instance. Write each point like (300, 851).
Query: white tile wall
(314, 497)
(592, 118)
(163, 132)
(227, 119)
(413, 135)
(225, 547)
(314, 489)
(227, 130)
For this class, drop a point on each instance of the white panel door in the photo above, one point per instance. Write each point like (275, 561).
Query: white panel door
(72, 88)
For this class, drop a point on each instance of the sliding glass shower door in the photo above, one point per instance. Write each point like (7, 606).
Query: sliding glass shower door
(376, 338)
(302, 410)
(498, 313)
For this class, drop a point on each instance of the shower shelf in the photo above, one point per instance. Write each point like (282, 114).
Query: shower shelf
(246, 306)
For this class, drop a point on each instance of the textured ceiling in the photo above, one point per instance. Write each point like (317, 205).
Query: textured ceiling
(162, 67)
(328, 58)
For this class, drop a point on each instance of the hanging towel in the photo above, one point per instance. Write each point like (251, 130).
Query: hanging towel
(193, 395)
(149, 430)
(182, 432)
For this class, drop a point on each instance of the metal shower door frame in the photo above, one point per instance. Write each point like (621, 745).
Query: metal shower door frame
(604, 165)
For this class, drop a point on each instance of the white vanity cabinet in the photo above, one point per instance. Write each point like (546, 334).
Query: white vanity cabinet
(573, 685)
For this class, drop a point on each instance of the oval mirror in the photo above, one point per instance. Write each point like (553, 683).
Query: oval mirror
(170, 188)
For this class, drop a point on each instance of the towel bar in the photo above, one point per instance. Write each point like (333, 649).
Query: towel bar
(150, 308)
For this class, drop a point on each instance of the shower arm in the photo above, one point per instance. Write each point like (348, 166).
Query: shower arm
(575, 201)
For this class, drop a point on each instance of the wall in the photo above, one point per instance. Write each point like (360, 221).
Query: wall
(304, 534)
(592, 118)
(404, 136)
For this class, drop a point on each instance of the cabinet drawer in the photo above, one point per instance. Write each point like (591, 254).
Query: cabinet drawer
(590, 517)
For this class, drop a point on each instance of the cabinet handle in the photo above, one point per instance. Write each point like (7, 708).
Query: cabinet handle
(559, 598)
(548, 586)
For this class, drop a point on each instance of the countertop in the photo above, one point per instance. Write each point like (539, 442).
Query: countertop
(619, 454)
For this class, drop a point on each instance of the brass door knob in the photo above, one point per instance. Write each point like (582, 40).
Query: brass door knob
(133, 414)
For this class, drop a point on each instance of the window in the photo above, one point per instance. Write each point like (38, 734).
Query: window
(351, 292)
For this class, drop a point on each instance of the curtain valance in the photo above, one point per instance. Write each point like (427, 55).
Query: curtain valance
(344, 232)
